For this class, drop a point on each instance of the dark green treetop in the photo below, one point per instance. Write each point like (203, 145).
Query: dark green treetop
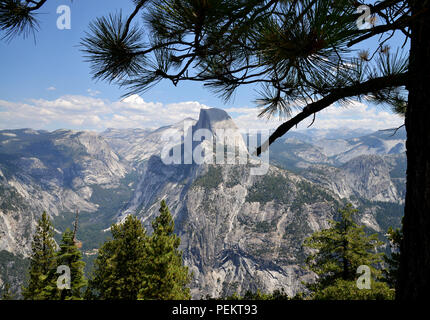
(165, 278)
(42, 260)
(70, 256)
(391, 273)
(121, 263)
(338, 251)
(6, 292)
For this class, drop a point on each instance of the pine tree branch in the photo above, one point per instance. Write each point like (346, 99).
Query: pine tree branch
(38, 5)
(366, 87)
(397, 25)
(131, 17)
(383, 5)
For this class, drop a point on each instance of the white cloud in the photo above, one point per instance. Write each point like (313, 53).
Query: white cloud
(51, 88)
(93, 93)
(355, 115)
(358, 115)
(134, 99)
(91, 113)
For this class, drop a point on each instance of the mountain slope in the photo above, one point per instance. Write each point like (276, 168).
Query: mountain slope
(239, 231)
(53, 172)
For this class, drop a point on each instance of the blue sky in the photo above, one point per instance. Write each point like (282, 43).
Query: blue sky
(47, 85)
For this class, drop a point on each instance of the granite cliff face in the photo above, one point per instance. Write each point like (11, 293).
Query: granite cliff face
(238, 231)
(53, 172)
(371, 166)
(241, 231)
(137, 145)
(367, 176)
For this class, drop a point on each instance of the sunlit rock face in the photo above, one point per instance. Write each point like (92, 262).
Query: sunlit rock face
(239, 231)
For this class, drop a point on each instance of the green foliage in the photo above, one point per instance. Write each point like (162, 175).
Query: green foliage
(391, 273)
(275, 295)
(90, 230)
(279, 189)
(11, 201)
(134, 266)
(399, 170)
(91, 225)
(42, 260)
(338, 251)
(233, 177)
(389, 214)
(69, 255)
(17, 19)
(297, 227)
(299, 51)
(12, 269)
(165, 277)
(284, 155)
(120, 265)
(6, 293)
(105, 198)
(308, 194)
(278, 294)
(296, 50)
(264, 227)
(347, 290)
(211, 179)
(270, 187)
(117, 53)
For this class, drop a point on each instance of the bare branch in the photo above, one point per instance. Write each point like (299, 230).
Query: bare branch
(131, 17)
(397, 25)
(336, 95)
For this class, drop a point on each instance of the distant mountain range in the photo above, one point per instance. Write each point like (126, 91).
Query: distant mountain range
(239, 231)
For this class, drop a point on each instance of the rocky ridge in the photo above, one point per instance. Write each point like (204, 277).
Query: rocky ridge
(239, 231)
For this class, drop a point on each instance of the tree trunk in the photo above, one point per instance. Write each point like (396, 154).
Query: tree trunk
(414, 278)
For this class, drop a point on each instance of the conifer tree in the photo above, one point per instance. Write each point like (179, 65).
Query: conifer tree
(70, 256)
(348, 290)
(301, 52)
(391, 273)
(7, 294)
(42, 260)
(120, 265)
(165, 276)
(337, 253)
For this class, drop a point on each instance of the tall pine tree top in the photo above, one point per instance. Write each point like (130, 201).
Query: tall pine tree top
(341, 249)
(7, 294)
(163, 224)
(42, 260)
(120, 264)
(165, 278)
(70, 256)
